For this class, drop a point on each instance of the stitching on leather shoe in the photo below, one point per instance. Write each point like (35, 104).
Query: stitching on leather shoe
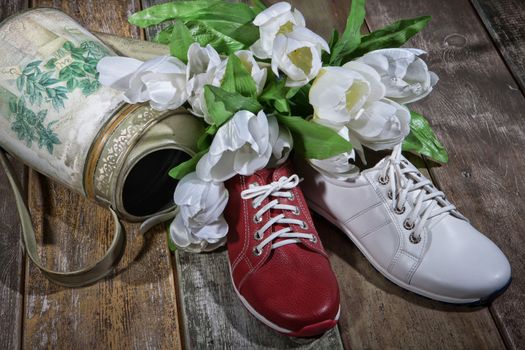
(246, 227)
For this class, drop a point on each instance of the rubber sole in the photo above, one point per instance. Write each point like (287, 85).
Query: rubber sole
(394, 280)
(313, 330)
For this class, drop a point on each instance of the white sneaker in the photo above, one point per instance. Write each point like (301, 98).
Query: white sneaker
(409, 231)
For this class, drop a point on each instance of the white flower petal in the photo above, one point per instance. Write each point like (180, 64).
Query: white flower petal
(271, 12)
(116, 71)
(404, 74)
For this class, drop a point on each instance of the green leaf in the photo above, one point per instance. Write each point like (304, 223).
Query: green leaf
(12, 106)
(68, 45)
(226, 26)
(351, 37)
(51, 64)
(205, 34)
(275, 94)
(186, 167)
(393, 35)
(205, 140)
(246, 33)
(193, 10)
(72, 84)
(237, 78)
(313, 140)
(222, 105)
(333, 40)
(422, 140)
(164, 36)
(34, 64)
(258, 6)
(299, 100)
(20, 82)
(180, 41)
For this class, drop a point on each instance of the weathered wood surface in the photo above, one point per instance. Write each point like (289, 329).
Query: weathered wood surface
(135, 308)
(11, 253)
(214, 317)
(477, 110)
(505, 21)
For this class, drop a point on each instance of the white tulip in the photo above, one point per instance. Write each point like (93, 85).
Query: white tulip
(276, 19)
(204, 68)
(405, 75)
(298, 55)
(240, 146)
(382, 125)
(161, 81)
(339, 94)
(258, 74)
(199, 224)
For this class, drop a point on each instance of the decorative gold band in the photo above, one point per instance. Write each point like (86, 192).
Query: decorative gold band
(99, 144)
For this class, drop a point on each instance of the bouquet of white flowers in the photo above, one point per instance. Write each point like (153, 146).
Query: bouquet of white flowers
(265, 84)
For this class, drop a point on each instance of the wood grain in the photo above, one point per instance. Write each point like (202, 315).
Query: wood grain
(135, 308)
(214, 317)
(11, 251)
(505, 20)
(477, 110)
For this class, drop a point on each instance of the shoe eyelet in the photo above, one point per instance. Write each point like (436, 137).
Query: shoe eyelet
(390, 194)
(399, 211)
(383, 180)
(313, 239)
(255, 184)
(253, 205)
(408, 225)
(257, 236)
(413, 239)
(257, 252)
(304, 225)
(296, 211)
(292, 196)
(257, 220)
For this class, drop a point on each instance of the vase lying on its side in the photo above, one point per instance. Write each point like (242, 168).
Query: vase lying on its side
(56, 118)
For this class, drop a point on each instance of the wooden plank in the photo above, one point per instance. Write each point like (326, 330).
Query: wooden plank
(11, 253)
(214, 317)
(505, 20)
(477, 111)
(136, 307)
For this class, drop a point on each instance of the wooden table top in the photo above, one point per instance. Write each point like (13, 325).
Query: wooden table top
(157, 300)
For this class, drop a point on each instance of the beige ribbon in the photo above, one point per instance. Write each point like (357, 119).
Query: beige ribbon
(78, 278)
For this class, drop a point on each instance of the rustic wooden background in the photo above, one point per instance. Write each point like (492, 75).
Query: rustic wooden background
(156, 300)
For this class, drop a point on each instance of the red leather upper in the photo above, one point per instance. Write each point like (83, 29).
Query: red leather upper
(293, 286)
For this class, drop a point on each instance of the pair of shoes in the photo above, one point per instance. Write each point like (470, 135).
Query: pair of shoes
(403, 225)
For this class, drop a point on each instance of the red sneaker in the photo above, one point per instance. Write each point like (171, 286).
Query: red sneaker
(279, 268)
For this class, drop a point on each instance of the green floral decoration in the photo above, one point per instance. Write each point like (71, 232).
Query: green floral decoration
(52, 86)
(29, 126)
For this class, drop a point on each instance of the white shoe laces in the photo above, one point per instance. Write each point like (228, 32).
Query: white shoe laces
(404, 180)
(276, 189)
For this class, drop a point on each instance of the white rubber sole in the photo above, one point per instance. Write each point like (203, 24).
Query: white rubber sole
(381, 270)
(261, 317)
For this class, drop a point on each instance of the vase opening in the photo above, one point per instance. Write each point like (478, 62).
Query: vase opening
(148, 188)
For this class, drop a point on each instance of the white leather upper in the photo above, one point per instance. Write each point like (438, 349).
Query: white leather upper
(452, 262)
